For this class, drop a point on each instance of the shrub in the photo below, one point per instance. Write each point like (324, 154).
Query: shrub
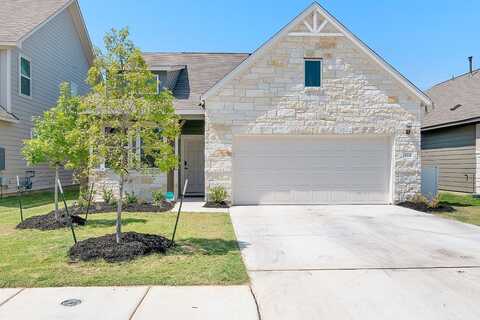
(158, 196)
(107, 195)
(420, 199)
(83, 198)
(217, 194)
(434, 203)
(131, 198)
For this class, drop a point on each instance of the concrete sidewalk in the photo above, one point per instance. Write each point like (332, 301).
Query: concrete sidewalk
(196, 205)
(137, 303)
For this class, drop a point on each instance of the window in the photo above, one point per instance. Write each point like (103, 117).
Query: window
(155, 82)
(25, 77)
(313, 73)
(73, 89)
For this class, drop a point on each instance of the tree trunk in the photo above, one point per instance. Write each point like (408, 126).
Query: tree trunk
(56, 192)
(118, 233)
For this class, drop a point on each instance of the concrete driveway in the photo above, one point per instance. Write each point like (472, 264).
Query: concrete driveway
(359, 262)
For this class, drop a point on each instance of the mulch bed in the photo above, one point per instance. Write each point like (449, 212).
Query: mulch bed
(48, 222)
(222, 205)
(102, 207)
(424, 208)
(132, 245)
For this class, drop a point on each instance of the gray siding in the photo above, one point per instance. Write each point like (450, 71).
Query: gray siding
(453, 151)
(449, 137)
(56, 56)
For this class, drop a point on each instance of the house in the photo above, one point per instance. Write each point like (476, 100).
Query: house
(42, 44)
(451, 131)
(313, 116)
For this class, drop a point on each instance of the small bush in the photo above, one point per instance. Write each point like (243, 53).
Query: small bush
(131, 198)
(158, 196)
(217, 194)
(83, 198)
(107, 195)
(420, 199)
(434, 203)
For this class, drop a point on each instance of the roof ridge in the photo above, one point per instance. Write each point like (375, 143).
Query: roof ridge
(474, 72)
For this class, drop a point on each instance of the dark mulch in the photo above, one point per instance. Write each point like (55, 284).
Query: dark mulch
(48, 222)
(102, 207)
(424, 208)
(222, 204)
(132, 245)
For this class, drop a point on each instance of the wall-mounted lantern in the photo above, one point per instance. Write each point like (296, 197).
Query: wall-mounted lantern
(408, 129)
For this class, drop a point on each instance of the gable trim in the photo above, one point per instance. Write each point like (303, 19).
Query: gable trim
(284, 31)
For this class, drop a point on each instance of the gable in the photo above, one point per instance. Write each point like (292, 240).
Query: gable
(316, 22)
(23, 18)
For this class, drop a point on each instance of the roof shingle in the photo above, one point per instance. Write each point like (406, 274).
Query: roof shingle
(201, 72)
(19, 17)
(454, 100)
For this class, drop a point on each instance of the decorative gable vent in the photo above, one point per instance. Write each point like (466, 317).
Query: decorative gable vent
(315, 27)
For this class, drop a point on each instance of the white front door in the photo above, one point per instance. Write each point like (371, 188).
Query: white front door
(311, 169)
(192, 166)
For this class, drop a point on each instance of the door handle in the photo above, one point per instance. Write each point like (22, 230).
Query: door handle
(185, 165)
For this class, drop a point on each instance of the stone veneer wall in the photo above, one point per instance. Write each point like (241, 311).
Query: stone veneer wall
(357, 97)
(141, 183)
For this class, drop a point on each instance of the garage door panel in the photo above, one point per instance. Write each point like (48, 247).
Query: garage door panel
(311, 169)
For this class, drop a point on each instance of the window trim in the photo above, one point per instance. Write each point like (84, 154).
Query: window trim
(157, 76)
(73, 85)
(305, 73)
(20, 57)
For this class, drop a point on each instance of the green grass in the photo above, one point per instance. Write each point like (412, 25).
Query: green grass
(207, 254)
(459, 200)
(467, 208)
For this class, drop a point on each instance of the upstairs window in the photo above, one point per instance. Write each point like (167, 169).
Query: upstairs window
(73, 89)
(313, 73)
(25, 77)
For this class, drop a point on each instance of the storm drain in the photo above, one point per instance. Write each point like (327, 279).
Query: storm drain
(71, 302)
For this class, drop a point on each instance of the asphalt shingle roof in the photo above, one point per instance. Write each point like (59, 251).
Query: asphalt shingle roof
(454, 100)
(19, 17)
(201, 72)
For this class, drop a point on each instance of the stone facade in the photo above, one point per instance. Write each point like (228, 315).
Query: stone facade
(140, 183)
(357, 97)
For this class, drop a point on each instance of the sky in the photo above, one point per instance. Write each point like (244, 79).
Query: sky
(428, 41)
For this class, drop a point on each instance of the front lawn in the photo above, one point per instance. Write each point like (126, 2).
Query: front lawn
(207, 253)
(467, 208)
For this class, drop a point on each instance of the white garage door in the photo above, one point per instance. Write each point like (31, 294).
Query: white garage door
(311, 170)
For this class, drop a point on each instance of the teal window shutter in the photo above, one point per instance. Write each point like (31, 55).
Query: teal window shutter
(2, 159)
(313, 73)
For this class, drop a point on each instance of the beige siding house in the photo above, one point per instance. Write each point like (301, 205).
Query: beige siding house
(42, 44)
(313, 116)
(451, 133)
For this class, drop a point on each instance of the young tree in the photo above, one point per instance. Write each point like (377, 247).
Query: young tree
(125, 111)
(54, 140)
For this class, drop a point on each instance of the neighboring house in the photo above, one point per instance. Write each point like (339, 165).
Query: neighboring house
(313, 116)
(451, 133)
(42, 44)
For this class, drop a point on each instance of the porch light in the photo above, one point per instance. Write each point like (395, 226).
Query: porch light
(408, 130)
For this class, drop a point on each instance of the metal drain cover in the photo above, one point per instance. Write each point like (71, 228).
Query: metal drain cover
(71, 302)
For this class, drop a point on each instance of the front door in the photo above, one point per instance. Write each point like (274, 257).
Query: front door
(192, 157)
